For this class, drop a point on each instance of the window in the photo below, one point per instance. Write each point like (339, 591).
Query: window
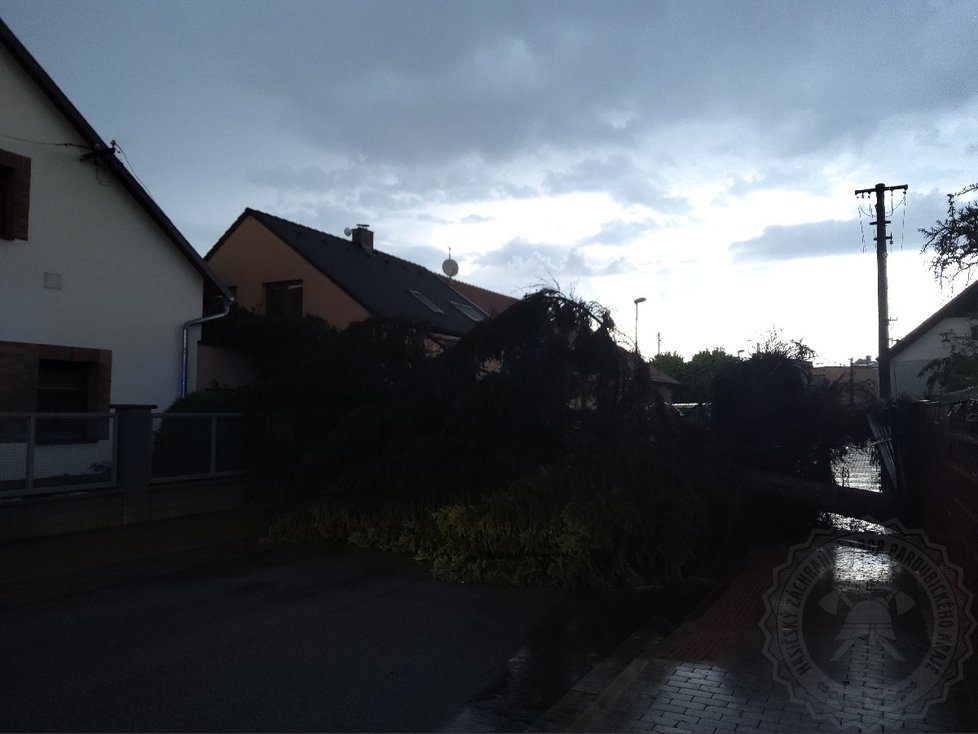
(64, 387)
(284, 299)
(15, 186)
(469, 310)
(426, 301)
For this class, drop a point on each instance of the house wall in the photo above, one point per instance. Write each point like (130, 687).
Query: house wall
(905, 367)
(114, 281)
(252, 256)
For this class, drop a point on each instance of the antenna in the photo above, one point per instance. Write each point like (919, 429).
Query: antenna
(347, 231)
(450, 267)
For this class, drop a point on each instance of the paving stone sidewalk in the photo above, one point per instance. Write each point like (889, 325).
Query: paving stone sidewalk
(711, 675)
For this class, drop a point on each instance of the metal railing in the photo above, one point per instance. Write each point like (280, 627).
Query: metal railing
(201, 445)
(48, 452)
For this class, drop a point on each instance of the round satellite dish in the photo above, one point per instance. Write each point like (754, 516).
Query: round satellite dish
(347, 231)
(450, 268)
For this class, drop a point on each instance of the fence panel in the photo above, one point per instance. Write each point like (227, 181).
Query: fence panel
(199, 445)
(50, 452)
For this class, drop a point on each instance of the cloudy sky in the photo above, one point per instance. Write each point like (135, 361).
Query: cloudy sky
(702, 155)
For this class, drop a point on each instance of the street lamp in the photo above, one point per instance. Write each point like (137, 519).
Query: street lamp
(637, 301)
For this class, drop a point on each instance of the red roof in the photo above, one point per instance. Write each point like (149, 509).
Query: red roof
(489, 301)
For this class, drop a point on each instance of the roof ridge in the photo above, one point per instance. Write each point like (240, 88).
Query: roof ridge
(67, 109)
(476, 287)
(381, 253)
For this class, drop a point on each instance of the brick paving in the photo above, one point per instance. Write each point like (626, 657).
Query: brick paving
(711, 675)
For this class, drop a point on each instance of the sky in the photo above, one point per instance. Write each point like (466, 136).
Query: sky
(701, 155)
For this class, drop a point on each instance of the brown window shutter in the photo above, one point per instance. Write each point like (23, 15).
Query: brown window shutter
(15, 192)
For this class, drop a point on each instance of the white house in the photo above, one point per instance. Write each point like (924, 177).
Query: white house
(958, 318)
(99, 289)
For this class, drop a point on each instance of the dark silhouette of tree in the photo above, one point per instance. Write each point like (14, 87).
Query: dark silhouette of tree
(953, 241)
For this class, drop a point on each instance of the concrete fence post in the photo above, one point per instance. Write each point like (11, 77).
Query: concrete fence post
(134, 424)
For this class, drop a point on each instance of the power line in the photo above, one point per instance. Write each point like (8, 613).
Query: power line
(44, 142)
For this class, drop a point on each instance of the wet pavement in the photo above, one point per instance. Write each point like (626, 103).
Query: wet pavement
(325, 638)
(859, 628)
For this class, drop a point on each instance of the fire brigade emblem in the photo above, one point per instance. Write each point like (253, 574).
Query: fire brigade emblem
(868, 628)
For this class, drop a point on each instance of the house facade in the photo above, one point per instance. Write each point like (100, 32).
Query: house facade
(278, 267)
(99, 287)
(859, 381)
(932, 339)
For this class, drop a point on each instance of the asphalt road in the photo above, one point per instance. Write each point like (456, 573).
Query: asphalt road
(329, 638)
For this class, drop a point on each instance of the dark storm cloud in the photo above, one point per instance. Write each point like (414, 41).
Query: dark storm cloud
(458, 102)
(557, 261)
(803, 240)
(850, 237)
(619, 232)
(617, 175)
(410, 82)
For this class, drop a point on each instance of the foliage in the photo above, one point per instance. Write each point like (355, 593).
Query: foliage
(768, 413)
(958, 370)
(205, 401)
(532, 452)
(316, 374)
(697, 377)
(537, 532)
(954, 240)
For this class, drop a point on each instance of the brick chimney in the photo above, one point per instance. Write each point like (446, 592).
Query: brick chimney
(364, 237)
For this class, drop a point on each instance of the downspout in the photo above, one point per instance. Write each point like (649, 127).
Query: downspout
(186, 328)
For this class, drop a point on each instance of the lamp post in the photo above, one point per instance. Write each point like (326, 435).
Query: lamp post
(637, 301)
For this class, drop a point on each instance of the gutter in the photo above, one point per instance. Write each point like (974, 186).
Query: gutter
(186, 328)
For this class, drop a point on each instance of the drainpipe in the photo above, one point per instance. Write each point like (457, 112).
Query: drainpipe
(186, 328)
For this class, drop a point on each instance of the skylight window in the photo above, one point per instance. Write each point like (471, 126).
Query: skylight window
(426, 301)
(469, 310)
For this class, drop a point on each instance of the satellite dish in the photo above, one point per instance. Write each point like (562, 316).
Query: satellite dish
(450, 268)
(347, 231)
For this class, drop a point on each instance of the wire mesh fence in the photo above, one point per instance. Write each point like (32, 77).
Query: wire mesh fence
(196, 445)
(48, 451)
(859, 469)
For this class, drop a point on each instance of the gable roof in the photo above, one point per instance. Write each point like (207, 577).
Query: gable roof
(489, 301)
(61, 102)
(963, 304)
(662, 378)
(379, 282)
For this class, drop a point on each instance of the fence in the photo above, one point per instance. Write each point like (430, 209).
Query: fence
(43, 453)
(56, 451)
(939, 450)
(201, 445)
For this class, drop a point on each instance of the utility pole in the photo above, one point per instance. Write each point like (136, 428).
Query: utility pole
(884, 317)
(658, 346)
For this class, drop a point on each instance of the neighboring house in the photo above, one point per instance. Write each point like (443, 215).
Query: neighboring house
(489, 301)
(98, 284)
(663, 384)
(859, 381)
(958, 318)
(278, 267)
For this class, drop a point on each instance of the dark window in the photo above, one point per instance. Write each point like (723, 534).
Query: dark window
(469, 310)
(64, 387)
(426, 301)
(284, 299)
(15, 184)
